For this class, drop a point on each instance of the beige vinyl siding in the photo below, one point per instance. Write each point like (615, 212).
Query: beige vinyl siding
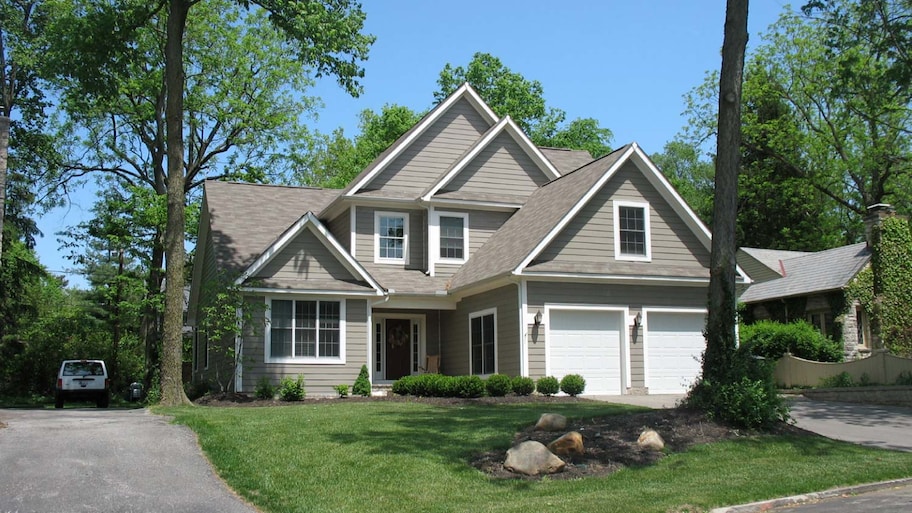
(434, 151)
(455, 349)
(306, 262)
(756, 270)
(417, 236)
(319, 378)
(635, 297)
(482, 224)
(590, 235)
(340, 227)
(501, 166)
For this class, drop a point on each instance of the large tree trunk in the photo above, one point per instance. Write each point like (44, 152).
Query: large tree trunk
(720, 336)
(172, 388)
(4, 155)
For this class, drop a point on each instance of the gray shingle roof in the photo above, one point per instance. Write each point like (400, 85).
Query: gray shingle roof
(812, 273)
(544, 209)
(245, 219)
(566, 160)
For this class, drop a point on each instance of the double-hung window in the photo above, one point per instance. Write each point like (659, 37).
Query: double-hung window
(305, 330)
(391, 237)
(453, 236)
(483, 341)
(631, 231)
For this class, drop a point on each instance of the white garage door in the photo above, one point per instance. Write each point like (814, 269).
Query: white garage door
(674, 345)
(587, 342)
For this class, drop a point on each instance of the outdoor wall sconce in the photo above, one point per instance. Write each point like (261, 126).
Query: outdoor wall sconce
(538, 319)
(638, 320)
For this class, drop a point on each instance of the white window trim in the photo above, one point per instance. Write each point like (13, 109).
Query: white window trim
(434, 237)
(267, 337)
(617, 231)
(473, 316)
(405, 236)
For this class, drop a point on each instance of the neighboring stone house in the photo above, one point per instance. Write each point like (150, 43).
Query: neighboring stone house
(463, 242)
(790, 285)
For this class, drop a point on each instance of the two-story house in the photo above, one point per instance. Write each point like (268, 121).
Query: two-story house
(465, 242)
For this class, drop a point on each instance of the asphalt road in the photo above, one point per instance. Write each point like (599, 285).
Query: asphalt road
(97, 460)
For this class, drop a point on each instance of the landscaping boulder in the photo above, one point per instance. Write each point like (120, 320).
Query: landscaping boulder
(568, 445)
(532, 458)
(551, 422)
(650, 439)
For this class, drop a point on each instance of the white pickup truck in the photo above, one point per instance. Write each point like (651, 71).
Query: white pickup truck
(85, 380)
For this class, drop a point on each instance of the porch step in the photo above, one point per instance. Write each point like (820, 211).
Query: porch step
(381, 390)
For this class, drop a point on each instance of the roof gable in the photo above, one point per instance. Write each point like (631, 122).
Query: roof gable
(330, 246)
(430, 128)
(503, 159)
(553, 207)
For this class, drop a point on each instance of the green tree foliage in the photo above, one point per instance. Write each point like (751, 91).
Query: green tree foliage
(771, 340)
(690, 175)
(336, 160)
(894, 253)
(510, 94)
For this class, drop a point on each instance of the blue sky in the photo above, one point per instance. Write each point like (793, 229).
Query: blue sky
(625, 63)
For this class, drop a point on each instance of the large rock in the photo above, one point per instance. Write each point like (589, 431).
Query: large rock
(569, 444)
(551, 422)
(532, 458)
(650, 439)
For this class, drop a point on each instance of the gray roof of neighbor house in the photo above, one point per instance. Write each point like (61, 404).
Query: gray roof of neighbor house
(565, 159)
(812, 273)
(544, 209)
(245, 219)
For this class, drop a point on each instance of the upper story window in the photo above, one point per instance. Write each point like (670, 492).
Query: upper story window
(390, 237)
(305, 330)
(454, 234)
(631, 231)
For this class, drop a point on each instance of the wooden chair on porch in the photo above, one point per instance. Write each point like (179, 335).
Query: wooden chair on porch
(431, 365)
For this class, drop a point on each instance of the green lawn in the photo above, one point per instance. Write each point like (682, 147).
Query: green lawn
(403, 456)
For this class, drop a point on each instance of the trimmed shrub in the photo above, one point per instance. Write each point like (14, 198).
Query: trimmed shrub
(291, 389)
(468, 386)
(523, 386)
(572, 384)
(404, 385)
(548, 385)
(498, 385)
(362, 384)
(904, 378)
(771, 340)
(264, 388)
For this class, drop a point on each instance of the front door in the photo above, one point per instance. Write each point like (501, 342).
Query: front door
(398, 348)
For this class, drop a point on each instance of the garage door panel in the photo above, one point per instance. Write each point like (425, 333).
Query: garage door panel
(588, 343)
(674, 347)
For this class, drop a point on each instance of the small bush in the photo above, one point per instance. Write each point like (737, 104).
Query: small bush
(572, 384)
(841, 380)
(291, 389)
(498, 385)
(772, 340)
(469, 386)
(523, 386)
(548, 385)
(342, 390)
(264, 388)
(196, 390)
(404, 385)
(904, 378)
(362, 384)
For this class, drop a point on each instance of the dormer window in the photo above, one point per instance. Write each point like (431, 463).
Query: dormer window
(391, 237)
(631, 231)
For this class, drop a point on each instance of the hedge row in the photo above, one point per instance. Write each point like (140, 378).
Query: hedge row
(497, 385)
(771, 340)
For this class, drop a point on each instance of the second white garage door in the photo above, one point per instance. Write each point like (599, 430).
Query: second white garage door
(674, 345)
(587, 342)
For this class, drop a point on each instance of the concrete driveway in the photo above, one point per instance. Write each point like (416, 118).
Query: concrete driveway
(81, 460)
